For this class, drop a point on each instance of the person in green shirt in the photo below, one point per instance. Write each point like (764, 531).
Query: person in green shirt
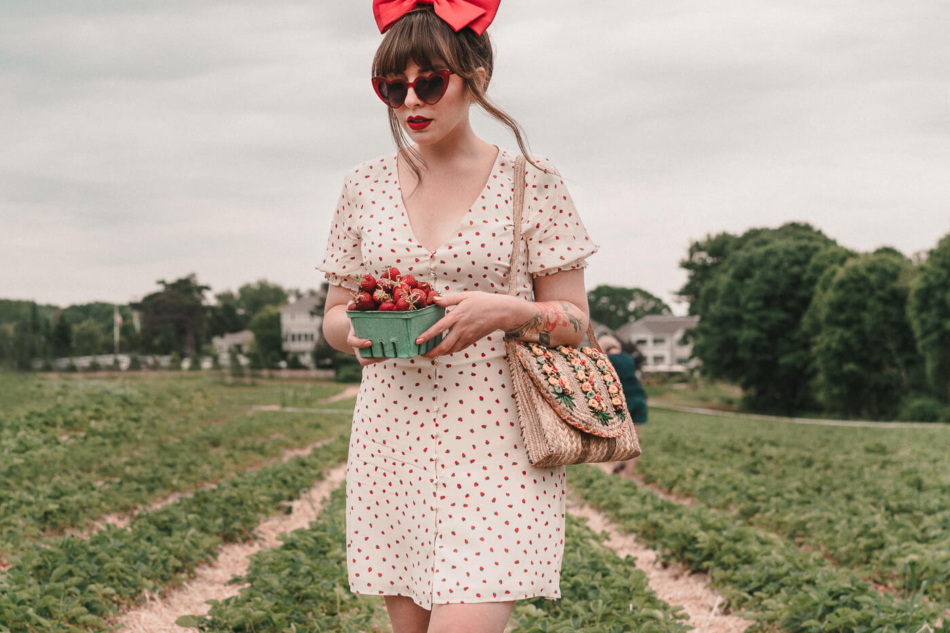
(632, 390)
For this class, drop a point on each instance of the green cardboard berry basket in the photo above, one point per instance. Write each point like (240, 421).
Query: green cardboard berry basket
(394, 333)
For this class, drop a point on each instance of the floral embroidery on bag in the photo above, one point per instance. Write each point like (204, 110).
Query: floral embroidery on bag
(562, 388)
(584, 375)
(610, 379)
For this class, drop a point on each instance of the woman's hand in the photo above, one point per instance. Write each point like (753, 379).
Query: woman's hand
(476, 315)
(361, 343)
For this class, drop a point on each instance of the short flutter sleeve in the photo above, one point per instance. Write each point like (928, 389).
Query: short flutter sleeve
(556, 237)
(344, 255)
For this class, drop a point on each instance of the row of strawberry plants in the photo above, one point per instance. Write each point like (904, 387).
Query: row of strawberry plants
(124, 463)
(775, 582)
(302, 586)
(874, 500)
(70, 582)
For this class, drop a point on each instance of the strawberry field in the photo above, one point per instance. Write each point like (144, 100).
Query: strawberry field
(116, 491)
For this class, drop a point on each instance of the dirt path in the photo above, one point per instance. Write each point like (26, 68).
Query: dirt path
(673, 586)
(123, 519)
(351, 391)
(688, 501)
(774, 418)
(158, 614)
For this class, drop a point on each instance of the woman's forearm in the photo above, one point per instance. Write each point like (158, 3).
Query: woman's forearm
(336, 327)
(550, 323)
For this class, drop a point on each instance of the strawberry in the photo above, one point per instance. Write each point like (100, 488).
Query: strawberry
(386, 284)
(403, 305)
(387, 306)
(367, 283)
(351, 305)
(430, 298)
(424, 286)
(364, 301)
(409, 280)
(402, 290)
(390, 273)
(381, 296)
(418, 297)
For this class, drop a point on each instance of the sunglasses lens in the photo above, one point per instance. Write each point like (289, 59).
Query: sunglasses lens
(430, 89)
(394, 93)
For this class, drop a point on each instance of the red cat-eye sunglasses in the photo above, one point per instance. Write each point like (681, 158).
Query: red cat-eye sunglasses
(429, 88)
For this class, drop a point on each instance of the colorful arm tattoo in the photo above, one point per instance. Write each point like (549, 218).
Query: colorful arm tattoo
(550, 316)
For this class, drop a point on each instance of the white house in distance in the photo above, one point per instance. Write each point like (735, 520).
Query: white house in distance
(241, 341)
(661, 341)
(300, 325)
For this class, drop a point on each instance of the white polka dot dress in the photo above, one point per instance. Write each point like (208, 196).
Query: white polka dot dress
(442, 503)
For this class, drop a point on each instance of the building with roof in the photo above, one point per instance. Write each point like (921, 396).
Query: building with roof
(301, 326)
(663, 342)
(240, 341)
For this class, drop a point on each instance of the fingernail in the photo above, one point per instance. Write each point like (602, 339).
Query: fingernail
(419, 341)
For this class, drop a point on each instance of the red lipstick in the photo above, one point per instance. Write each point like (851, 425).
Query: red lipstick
(418, 122)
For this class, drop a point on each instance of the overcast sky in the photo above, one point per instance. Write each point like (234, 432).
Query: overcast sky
(144, 140)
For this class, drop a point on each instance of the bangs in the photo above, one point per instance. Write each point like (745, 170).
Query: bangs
(419, 37)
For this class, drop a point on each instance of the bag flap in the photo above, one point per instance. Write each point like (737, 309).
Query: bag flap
(581, 385)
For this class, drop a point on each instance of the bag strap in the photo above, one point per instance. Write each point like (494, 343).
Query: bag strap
(517, 210)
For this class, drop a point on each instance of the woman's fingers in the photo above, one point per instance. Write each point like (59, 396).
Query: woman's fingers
(354, 341)
(437, 328)
(442, 348)
(451, 300)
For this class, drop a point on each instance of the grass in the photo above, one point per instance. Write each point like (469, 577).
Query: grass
(697, 392)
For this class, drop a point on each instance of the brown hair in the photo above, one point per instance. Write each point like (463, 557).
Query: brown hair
(424, 38)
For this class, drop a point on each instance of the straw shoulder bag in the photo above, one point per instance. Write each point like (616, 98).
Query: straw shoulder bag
(570, 401)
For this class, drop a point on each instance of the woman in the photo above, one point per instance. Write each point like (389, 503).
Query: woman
(632, 390)
(446, 518)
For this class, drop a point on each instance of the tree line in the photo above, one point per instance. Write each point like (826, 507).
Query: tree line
(805, 324)
(177, 319)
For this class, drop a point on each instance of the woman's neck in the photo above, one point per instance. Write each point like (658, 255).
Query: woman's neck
(460, 145)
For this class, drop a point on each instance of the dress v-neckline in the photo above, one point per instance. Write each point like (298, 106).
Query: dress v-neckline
(405, 214)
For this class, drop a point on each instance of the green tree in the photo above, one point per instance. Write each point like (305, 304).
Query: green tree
(255, 297)
(865, 354)
(31, 337)
(702, 262)
(706, 258)
(173, 319)
(929, 309)
(750, 326)
(268, 341)
(87, 338)
(62, 337)
(226, 315)
(7, 336)
(615, 306)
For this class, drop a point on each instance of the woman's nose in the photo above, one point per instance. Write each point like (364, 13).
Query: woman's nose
(411, 99)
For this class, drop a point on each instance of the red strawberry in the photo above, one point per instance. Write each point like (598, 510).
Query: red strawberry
(365, 302)
(367, 283)
(387, 306)
(424, 286)
(409, 280)
(430, 298)
(402, 290)
(418, 297)
(351, 305)
(403, 305)
(381, 296)
(390, 273)
(386, 284)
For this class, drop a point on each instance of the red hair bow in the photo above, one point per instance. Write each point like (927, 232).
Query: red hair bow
(475, 14)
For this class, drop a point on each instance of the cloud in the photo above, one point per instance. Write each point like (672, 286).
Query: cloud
(148, 140)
